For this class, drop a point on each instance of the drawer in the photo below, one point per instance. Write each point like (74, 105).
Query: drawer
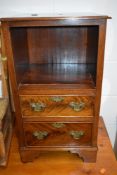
(57, 105)
(57, 134)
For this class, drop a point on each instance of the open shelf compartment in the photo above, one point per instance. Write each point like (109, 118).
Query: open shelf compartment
(55, 55)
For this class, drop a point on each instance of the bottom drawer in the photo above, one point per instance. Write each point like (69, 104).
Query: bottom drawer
(57, 134)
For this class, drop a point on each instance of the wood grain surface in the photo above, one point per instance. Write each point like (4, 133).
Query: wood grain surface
(64, 163)
(57, 136)
(61, 108)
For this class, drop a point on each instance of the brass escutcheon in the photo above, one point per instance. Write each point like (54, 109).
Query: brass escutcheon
(58, 125)
(57, 99)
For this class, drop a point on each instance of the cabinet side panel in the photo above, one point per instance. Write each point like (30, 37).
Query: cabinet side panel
(92, 49)
(20, 50)
(19, 45)
(92, 44)
(12, 75)
(99, 76)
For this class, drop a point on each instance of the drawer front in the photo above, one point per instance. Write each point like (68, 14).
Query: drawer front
(57, 105)
(57, 134)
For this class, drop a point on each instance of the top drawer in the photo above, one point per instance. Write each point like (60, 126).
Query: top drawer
(55, 106)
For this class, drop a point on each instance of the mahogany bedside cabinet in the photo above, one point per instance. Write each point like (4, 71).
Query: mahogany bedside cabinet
(55, 65)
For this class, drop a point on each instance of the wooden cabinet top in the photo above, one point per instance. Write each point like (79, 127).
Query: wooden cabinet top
(51, 16)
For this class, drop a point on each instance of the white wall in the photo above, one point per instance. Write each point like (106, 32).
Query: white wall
(108, 7)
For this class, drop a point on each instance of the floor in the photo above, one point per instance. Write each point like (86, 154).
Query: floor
(64, 163)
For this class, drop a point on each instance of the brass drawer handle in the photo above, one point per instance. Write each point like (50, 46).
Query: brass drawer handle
(37, 107)
(76, 134)
(40, 135)
(57, 99)
(58, 125)
(77, 106)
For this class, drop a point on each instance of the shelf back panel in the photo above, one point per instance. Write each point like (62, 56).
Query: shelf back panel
(51, 45)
